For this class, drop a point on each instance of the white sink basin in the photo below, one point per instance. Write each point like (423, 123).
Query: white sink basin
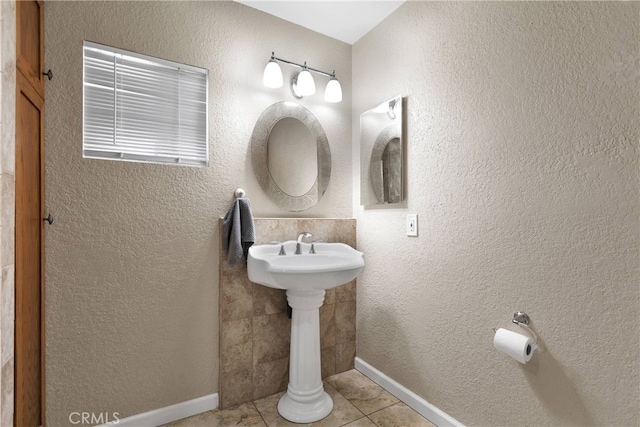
(332, 265)
(305, 277)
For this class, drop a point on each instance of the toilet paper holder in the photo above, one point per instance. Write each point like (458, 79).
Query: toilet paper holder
(523, 320)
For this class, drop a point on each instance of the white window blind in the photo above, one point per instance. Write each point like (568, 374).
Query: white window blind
(141, 108)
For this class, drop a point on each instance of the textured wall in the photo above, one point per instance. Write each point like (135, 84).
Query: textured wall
(523, 167)
(132, 258)
(255, 330)
(7, 205)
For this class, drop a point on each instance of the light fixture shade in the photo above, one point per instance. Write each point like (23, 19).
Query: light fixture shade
(272, 76)
(306, 85)
(333, 92)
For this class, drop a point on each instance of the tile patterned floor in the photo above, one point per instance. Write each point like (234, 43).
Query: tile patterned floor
(357, 402)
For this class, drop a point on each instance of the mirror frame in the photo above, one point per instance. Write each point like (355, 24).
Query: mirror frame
(259, 155)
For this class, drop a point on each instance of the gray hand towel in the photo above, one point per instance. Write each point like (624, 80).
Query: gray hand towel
(237, 230)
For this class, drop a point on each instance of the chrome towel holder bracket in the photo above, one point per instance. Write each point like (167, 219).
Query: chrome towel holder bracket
(523, 320)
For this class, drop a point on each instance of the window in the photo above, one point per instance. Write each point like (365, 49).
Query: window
(141, 108)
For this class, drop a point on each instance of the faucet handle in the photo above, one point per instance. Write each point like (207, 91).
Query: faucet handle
(282, 251)
(313, 249)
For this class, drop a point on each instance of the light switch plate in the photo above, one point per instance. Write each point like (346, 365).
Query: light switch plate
(412, 225)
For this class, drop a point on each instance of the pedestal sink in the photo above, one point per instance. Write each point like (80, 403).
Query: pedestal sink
(305, 276)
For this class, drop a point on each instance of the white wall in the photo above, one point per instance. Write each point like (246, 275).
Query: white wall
(522, 139)
(132, 258)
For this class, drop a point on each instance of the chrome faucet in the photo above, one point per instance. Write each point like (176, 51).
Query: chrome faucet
(301, 236)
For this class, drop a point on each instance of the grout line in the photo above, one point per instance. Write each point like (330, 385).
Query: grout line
(378, 410)
(259, 413)
(373, 422)
(353, 421)
(386, 407)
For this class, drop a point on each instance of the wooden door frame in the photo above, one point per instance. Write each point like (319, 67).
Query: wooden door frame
(25, 89)
(33, 88)
(37, 81)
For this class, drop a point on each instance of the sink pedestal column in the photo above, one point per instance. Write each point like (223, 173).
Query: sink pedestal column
(305, 400)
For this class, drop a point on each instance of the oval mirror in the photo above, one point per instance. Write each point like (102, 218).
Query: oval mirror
(291, 156)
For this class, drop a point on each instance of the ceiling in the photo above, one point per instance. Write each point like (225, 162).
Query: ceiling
(347, 21)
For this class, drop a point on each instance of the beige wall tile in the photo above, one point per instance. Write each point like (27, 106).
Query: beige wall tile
(236, 387)
(268, 300)
(320, 229)
(271, 337)
(327, 326)
(236, 339)
(345, 356)
(346, 292)
(279, 230)
(330, 296)
(271, 377)
(345, 232)
(328, 361)
(345, 321)
(236, 300)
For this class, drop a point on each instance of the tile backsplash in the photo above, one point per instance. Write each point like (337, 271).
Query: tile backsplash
(254, 327)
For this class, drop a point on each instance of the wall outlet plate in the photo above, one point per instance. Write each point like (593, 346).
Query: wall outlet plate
(412, 225)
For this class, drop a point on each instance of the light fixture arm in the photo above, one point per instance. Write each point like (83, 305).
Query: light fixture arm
(304, 67)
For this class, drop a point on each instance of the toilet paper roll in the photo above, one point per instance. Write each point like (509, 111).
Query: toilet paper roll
(518, 346)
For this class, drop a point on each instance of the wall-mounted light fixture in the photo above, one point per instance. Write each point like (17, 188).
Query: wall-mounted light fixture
(302, 83)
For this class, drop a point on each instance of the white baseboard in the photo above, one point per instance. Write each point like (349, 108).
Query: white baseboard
(210, 402)
(169, 414)
(409, 398)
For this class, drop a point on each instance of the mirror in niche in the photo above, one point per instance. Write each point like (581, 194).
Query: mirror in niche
(291, 156)
(381, 154)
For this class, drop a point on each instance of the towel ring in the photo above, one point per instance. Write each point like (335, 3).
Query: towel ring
(239, 193)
